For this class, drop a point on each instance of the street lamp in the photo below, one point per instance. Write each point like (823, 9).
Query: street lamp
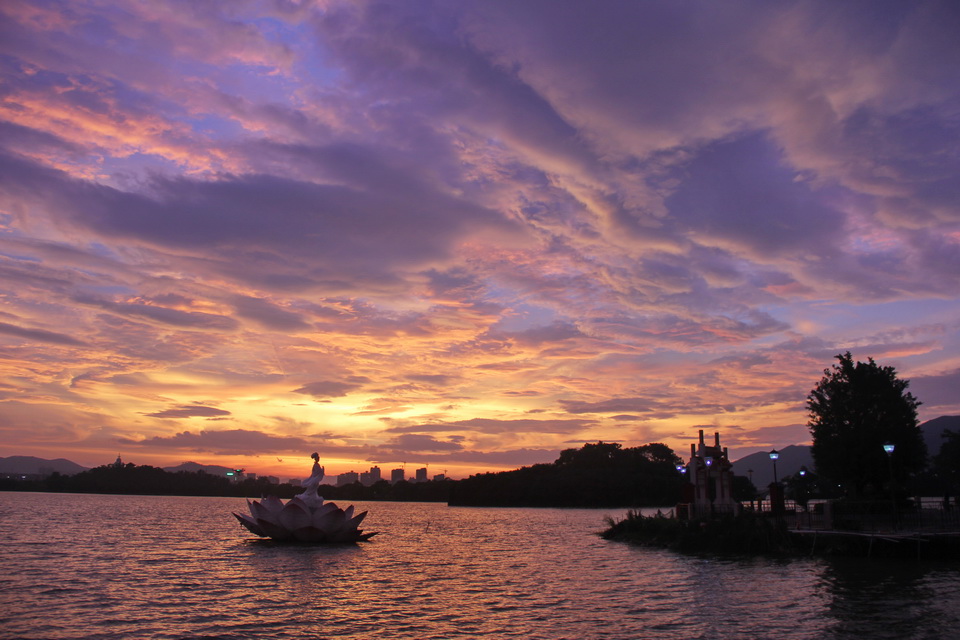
(801, 489)
(776, 498)
(889, 448)
(711, 491)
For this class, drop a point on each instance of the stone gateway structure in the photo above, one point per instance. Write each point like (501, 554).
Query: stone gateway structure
(709, 490)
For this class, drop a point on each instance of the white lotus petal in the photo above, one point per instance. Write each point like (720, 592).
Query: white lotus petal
(250, 524)
(275, 531)
(261, 512)
(325, 509)
(273, 504)
(355, 521)
(329, 522)
(295, 515)
(297, 500)
(348, 531)
(348, 527)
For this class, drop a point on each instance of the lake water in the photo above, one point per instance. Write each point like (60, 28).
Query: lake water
(97, 566)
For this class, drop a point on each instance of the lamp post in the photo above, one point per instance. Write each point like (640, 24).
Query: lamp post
(802, 488)
(775, 487)
(889, 448)
(710, 494)
(686, 498)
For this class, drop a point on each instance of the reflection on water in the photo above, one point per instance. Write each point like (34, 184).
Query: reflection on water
(87, 566)
(900, 600)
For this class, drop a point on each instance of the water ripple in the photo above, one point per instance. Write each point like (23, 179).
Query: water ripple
(434, 573)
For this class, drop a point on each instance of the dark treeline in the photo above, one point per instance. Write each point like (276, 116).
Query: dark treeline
(597, 475)
(140, 480)
(146, 480)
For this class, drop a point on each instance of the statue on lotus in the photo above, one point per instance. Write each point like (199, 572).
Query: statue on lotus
(305, 517)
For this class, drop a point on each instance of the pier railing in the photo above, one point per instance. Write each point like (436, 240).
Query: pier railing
(921, 516)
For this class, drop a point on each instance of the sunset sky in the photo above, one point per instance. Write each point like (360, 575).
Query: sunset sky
(466, 234)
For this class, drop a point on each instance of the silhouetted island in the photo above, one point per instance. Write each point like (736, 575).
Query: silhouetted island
(602, 474)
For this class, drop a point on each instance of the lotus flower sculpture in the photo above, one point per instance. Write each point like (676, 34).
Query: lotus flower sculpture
(304, 518)
(297, 520)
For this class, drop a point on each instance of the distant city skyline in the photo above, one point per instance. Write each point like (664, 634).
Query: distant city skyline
(466, 235)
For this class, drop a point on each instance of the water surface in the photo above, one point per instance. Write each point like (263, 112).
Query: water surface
(97, 566)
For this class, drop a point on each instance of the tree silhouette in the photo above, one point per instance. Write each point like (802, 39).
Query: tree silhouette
(595, 475)
(947, 463)
(855, 409)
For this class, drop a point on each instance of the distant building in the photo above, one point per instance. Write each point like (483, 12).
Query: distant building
(347, 478)
(421, 475)
(272, 479)
(440, 477)
(294, 481)
(368, 478)
(396, 476)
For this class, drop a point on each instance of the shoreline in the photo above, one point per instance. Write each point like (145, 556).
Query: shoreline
(765, 535)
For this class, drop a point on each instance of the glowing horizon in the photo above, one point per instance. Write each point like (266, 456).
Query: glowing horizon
(465, 234)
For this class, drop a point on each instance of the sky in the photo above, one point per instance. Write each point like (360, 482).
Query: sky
(466, 234)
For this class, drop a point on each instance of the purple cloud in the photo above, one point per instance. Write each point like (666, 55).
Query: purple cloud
(190, 411)
(225, 442)
(268, 314)
(331, 388)
(40, 335)
(493, 426)
(616, 405)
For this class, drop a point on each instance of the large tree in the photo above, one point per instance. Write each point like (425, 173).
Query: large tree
(947, 462)
(855, 409)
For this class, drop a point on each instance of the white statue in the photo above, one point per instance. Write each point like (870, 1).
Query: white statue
(312, 484)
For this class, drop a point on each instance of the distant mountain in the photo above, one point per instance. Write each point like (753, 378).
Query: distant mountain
(29, 465)
(932, 430)
(212, 469)
(796, 456)
(791, 459)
